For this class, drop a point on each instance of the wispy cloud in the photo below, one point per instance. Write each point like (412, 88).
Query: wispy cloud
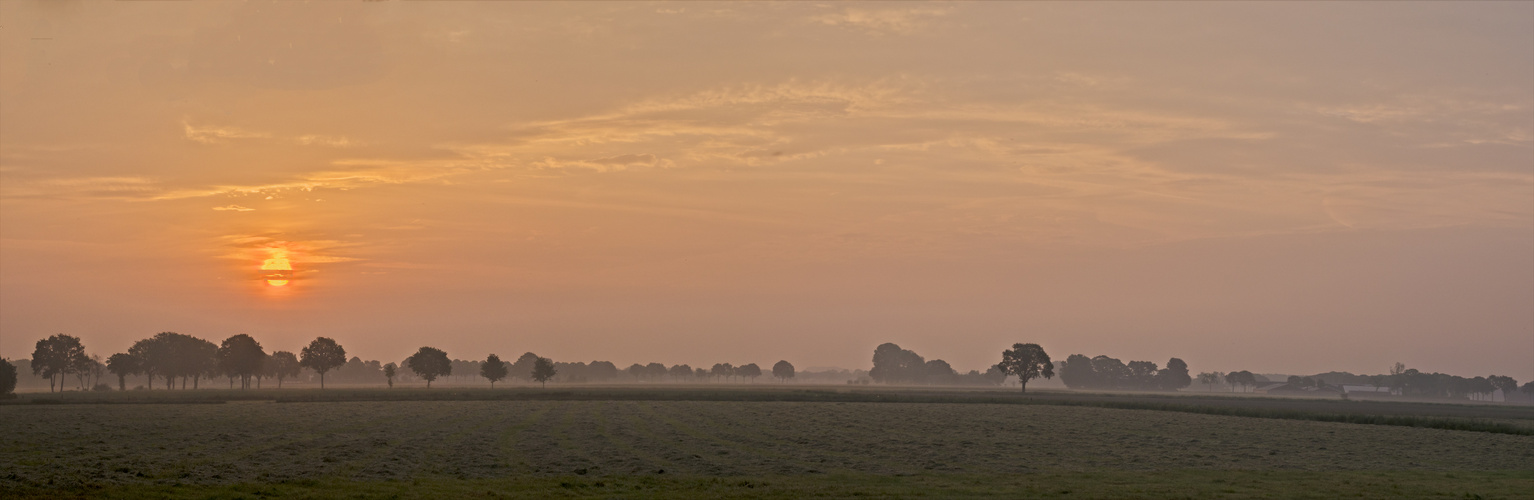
(219, 135)
(234, 208)
(897, 21)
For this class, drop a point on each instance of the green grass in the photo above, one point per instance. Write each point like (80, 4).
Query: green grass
(1111, 484)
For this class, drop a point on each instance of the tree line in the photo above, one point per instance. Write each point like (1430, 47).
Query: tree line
(1104, 373)
(172, 358)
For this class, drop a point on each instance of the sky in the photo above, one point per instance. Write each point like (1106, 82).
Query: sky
(1275, 187)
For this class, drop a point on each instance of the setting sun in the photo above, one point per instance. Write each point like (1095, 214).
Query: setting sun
(277, 270)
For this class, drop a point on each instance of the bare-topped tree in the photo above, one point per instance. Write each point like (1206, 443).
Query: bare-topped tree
(1027, 362)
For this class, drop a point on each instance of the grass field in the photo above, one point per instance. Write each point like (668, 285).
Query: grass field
(709, 447)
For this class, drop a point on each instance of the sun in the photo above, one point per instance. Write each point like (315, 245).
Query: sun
(277, 271)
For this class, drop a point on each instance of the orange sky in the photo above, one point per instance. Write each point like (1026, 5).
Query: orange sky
(1287, 188)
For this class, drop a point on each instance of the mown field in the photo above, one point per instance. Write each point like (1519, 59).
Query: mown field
(710, 448)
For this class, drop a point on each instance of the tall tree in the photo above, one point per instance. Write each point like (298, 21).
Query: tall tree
(543, 370)
(57, 356)
(7, 378)
(429, 363)
(680, 373)
(783, 370)
(241, 356)
(123, 364)
(494, 369)
(1027, 362)
(322, 355)
(389, 372)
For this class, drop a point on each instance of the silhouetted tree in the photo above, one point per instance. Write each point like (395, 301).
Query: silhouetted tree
(601, 370)
(1506, 383)
(152, 353)
(893, 365)
(241, 356)
(123, 364)
(7, 379)
(57, 356)
(172, 355)
(939, 372)
(1174, 376)
(389, 372)
(681, 373)
(429, 363)
(543, 370)
(285, 364)
(750, 370)
(700, 373)
(494, 369)
(523, 368)
(1210, 378)
(783, 370)
(1027, 362)
(1076, 372)
(725, 370)
(1142, 375)
(1528, 388)
(635, 371)
(1242, 378)
(994, 375)
(321, 355)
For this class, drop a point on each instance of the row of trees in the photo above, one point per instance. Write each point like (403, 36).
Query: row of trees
(173, 357)
(894, 365)
(1105, 373)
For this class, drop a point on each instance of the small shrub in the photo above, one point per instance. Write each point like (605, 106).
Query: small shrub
(101, 388)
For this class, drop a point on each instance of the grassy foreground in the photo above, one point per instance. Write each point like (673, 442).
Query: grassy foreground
(1107, 484)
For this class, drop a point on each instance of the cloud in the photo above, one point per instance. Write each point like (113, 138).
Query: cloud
(219, 135)
(883, 21)
(321, 140)
(235, 208)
